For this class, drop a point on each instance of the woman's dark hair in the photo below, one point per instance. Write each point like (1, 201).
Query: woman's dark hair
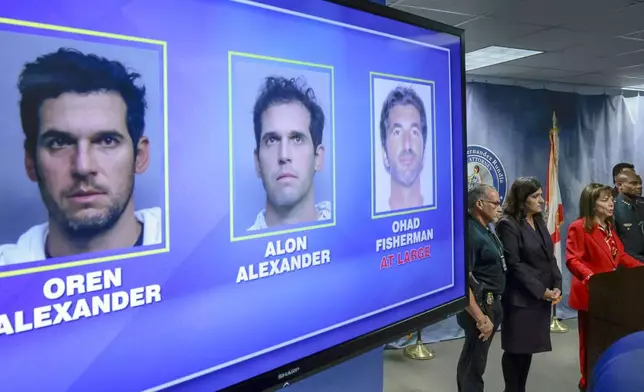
(520, 190)
(588, 200)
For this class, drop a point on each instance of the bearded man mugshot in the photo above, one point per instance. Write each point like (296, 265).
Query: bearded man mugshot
(288, 125)
(83, 119)
(403, 135)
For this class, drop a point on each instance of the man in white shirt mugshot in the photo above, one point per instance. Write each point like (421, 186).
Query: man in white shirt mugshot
(288, 124)
(403, 134)
(83, 118)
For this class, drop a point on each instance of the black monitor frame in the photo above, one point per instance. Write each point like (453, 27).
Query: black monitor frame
(290, 373)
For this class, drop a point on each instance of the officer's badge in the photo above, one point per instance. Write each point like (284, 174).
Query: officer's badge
(490, 298)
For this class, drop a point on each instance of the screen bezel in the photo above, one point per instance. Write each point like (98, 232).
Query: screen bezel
(292, 372)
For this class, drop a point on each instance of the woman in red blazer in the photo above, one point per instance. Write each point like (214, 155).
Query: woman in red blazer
(592, 247)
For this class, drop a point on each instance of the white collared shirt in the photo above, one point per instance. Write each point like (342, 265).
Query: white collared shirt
(323, 208)
(31, 245)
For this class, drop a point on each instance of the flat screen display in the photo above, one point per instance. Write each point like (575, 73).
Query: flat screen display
(197, 192)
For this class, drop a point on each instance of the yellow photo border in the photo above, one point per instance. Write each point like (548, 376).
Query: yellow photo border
(131, 255)
(232, 54)
(372, 76)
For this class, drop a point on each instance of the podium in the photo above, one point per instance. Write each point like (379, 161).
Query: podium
(614, 310)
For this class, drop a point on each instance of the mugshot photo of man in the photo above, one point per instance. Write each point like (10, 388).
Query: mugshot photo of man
(402, 132)
(83, 119)
(288, 124)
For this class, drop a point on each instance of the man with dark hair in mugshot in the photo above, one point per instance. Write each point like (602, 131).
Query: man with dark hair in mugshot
(403, 133)
(288, 124)
(83, 118)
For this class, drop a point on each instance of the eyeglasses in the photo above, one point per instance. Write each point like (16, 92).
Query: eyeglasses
(496, 203)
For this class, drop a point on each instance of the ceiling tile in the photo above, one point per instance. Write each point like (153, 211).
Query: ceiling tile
(553, 39)
(564, 62)
(500, 69)
(549, 74)
(531, 12)
(472, 46)
(618, 22)
(555, 12)
(449, 18)
(631, 71)
(605, 47)
(636, 35)
(587, 42)
(605, 80)
(491, 30)
(471, 7)
(613, 63)
(596, 79)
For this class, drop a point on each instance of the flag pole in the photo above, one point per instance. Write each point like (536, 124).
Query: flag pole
(556, 326)
(419, 350)
(554, 208)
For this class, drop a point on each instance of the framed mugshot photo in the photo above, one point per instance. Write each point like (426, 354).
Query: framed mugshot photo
(83, 147)
(282, 138)
(403, 142)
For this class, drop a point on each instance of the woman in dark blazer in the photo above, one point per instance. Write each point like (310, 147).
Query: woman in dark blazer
(533, 281)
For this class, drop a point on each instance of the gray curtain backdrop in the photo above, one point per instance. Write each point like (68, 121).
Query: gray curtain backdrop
(596, 132)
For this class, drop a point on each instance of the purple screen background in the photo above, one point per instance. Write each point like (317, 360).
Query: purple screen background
(206, 321)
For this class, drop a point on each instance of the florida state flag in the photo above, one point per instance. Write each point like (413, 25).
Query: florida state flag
(554, 206)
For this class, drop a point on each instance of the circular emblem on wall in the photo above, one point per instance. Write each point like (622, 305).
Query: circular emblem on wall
(484, 167)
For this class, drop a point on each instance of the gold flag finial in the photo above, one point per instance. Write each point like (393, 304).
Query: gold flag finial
(554, 120)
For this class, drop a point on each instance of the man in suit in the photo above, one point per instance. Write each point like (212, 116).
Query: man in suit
(629, 213)
(486, 264)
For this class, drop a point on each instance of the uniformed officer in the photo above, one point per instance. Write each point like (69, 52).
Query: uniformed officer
(486, 267)
(629, 214)
(617, 170)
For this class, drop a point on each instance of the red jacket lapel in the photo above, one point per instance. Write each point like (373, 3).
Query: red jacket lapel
(598, 236)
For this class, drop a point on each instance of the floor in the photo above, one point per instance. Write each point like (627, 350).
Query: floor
(557, 371)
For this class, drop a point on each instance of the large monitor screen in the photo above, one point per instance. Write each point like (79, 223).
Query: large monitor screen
(196, 193)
